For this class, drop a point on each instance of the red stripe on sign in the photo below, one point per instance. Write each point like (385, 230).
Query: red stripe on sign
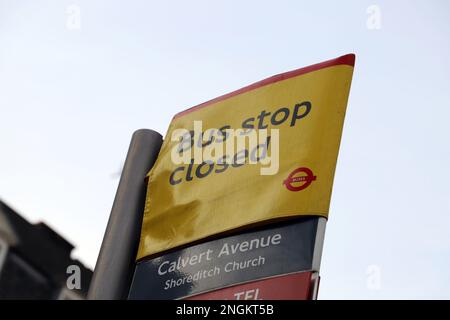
(297, 286)
(348, 59)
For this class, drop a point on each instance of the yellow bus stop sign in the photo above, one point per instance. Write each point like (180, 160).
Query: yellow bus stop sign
(302, 112)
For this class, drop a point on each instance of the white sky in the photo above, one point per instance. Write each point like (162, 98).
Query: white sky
(71, 98)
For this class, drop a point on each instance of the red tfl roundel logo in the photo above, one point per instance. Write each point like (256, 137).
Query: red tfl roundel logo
(299, 179)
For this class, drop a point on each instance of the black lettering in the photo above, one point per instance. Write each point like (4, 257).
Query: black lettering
(224, 134)
(296, 115)
(223, 163)
(186, 141)
(210, 139)
(189, 171)
(261, 117)
(274, 120)
(248, 126)
(241, 155)
(199, 173)
(256, 155)
(172, 175)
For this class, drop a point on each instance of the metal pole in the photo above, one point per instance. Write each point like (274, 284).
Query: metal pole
(116, 261)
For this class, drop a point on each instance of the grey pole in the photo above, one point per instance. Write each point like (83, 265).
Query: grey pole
(116, 260)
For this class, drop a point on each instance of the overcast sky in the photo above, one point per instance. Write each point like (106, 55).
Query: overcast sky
(73, 90)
